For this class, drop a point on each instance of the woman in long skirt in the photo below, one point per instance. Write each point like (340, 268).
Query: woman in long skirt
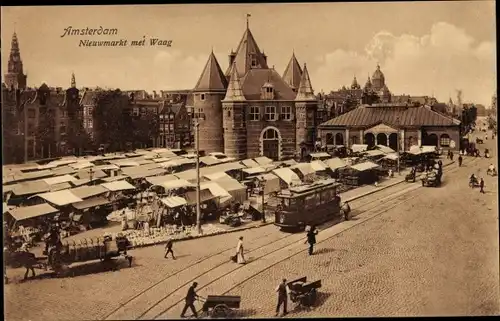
(240, 259)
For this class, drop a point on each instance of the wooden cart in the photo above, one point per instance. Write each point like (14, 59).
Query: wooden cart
(221, 306)
(302, 293)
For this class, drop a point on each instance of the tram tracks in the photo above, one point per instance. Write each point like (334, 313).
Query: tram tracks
(381, 207)
(223, 268)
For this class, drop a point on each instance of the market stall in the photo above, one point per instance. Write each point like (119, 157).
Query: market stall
(287, 177)
(360, 174)
(335, 165)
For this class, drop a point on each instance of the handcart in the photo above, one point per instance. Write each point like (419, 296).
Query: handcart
(220, 306)
(302, 293)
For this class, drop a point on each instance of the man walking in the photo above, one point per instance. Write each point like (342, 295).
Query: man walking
(311, 238)
(460, 159)
(168, 248)
(190, 298)
(283, 292)
(481, 185)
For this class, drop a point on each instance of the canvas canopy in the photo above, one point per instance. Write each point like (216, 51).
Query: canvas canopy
(361, 167)
(215, 189)
(335, 163)
(84, 192)
(27, 212)
(392, 156)
(174, 201)
(303, 168)
(178, 183)
(385, 149)
(205, 195)
(60, 186)
(254, 170)
(63, 170)
(209, 160)
(114, 178)
(96, 173)
(59, 179)
(187, 175)
(249, 163)
(158, 180)
(263, 160)
(91, 202)
(217, 176)
(319, 155)
(33, 187)
(60, 198)
(318, 165)
(356, 148)
(287, 175)
(374, 153)
(272, 183)
(118, 186)
(81, 165)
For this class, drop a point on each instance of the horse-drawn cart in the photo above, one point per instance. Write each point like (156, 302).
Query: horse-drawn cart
(303, 293)
(220, 306)
(59, 258)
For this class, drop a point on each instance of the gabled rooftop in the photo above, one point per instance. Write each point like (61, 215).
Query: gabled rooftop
(246, 51)
(254, 80)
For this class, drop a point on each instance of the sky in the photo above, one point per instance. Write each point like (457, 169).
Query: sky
(423, 48)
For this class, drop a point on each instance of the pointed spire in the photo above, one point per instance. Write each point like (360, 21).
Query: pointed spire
(293, 73)
(305, 91)
(73, 80)
(248, 20)
(248, 55)
(212, 77)
(234, 91)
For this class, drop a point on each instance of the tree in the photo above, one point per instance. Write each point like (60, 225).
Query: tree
(370, 97)
(112, 120)
(145, 128)
(45, 132)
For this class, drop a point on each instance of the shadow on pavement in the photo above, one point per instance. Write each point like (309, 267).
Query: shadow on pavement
(324, 251)
(243, 313)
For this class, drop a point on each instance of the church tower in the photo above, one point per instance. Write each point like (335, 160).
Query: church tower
(73, 80)
(306, 106)
(208, 95)
(378, 80)
(234, 121)
(15, 76)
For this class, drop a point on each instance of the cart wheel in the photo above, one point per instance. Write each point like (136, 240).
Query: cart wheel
(220, 311)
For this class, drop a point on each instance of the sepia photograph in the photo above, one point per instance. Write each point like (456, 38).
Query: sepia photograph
(262, 160)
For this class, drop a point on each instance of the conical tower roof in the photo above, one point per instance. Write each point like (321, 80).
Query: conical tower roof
(305, 91)
(212, 78)
(293, 73)
(246, 51)
(355, 84)
(368, 83)
(234, 91)
(14, 45)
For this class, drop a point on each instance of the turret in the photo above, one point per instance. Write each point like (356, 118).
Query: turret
(306, 105)
(208, 94)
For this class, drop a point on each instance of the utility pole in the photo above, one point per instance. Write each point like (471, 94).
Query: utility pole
(398, 147)
(198, 214)
(25, 114)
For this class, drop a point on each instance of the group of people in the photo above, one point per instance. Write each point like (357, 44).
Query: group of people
(473, 181)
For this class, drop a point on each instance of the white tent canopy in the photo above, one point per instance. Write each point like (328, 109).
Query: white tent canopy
(287, 175)
(364, 166)
(356, 148)
(118, 186)
(60, 198)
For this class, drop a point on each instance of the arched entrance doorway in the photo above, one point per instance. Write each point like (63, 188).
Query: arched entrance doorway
(270, 143)
(393, 141)
(329, 139)
(432, 140)
(382, 139)
(369, 140)
(339, 139)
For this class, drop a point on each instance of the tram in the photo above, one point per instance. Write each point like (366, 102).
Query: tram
(310, 204)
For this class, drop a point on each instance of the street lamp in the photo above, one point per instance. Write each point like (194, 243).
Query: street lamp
(398, 147)
(262, 186)
(91, 172)
(197, 143)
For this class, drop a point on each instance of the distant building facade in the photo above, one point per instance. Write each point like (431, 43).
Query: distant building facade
(383, 124)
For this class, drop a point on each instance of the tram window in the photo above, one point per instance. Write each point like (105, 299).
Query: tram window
(325, 196)
(311, 201)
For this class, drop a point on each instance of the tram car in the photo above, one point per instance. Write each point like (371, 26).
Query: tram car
(309, 204)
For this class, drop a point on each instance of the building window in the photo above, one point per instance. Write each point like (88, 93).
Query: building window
(254, 113)
(90, 110)
(171, 116)
(355, 140)
(202, 97)
(135, 111)
(269, 89)
(286, 113)
(161, 116)
(228, 113)
(91, 124)
(171, 127)
(329, 139)
(410, 141)
(270, 113)
(445, 140)
(254, 62)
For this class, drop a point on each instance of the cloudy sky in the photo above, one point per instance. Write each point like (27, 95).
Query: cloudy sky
(423, 48)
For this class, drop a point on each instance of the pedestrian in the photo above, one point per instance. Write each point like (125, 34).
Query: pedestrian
(191, 296)
(240, 258)
(311, 238)
(283, 292)
(451, 155)
(481, 185)
(168, 248)
(460, 159)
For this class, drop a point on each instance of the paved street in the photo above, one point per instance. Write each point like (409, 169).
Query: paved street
(409, 250)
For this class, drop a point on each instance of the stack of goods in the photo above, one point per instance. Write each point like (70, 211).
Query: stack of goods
(116, 216)
(138, 238)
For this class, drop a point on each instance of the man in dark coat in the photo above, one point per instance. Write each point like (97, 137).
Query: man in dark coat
(283, 292)
(168, 248)
(190, 298)
(311, 239)
(481, 185)
(460, 159)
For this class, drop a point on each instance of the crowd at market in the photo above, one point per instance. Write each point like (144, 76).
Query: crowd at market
(152, 193)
